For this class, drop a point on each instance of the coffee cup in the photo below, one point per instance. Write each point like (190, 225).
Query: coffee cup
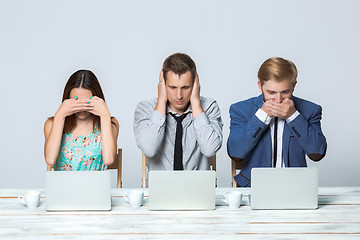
(135, 198)
(232, 198)
(31, 199)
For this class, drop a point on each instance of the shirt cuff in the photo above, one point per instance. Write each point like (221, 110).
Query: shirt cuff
(262, 116)
(292, 117)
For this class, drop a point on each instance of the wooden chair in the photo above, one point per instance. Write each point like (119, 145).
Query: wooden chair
(117, 164)
(144, 171)
(235, 165)
(49, 167)
(145, 162)
(213, 163)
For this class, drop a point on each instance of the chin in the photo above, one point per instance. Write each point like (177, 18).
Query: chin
(83, 115)
(181, 108)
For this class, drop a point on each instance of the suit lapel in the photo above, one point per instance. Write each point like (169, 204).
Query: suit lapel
(259, 101)
(286, 138)
(267, 147)
(285, 147)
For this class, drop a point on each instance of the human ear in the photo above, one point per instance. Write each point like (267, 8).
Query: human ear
(260, 87)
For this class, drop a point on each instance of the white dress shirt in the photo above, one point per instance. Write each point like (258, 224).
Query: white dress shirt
(262, 115)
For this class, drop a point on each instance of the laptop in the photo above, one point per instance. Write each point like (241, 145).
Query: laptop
(284, 188)
(182, 190)
(78, 191)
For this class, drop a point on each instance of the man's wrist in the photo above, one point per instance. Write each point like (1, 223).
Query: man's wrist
(263, 116)
(196, 108)
(293, 116)
(195, 101)
(161, 107)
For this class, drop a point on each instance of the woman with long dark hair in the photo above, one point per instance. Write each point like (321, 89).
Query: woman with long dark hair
(81, 135)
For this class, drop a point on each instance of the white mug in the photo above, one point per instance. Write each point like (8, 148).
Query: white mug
(134, 197)
(31, 199)
(232, 198)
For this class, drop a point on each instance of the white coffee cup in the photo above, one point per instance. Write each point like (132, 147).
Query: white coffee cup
(31, 199)
(134, 197)
(232, 198)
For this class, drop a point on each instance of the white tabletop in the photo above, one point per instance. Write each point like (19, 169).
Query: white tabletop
(338, 217)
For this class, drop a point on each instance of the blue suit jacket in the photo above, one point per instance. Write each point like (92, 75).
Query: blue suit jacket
(250, 138)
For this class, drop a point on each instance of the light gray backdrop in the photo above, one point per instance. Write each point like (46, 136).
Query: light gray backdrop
(125, 42)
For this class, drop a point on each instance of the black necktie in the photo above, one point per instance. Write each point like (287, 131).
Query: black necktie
(275, 140)
(178, 151)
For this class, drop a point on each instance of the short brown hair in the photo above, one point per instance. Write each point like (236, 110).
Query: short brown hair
(278, 69)
(179, 63)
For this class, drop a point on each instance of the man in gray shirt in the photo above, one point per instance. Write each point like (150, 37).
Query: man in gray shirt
(180, 130)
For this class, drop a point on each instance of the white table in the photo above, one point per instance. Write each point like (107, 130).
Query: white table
(338, 217)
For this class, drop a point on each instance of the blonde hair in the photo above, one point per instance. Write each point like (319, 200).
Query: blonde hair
(277, 69)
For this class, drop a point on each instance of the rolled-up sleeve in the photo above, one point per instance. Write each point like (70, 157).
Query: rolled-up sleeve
(208, 129)
(149, 128)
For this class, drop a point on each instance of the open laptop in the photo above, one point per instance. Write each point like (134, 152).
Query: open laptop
(182, 190)
(284, 188)
(78, 190)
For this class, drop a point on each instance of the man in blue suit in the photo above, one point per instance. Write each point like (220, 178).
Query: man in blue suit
(275, 129)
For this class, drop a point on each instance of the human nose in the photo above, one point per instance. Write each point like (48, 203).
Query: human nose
(179, 94)
(278, 98)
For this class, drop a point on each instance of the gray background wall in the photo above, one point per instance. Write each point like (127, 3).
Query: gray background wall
(125, 42)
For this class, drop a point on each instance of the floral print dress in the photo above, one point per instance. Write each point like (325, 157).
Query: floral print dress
(80, 153)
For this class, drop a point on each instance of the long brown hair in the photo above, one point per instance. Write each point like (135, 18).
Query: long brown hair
(87, 80)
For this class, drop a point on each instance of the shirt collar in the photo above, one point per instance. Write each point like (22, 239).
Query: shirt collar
(168, 110)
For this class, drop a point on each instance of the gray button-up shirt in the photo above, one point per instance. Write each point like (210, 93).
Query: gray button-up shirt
(155, 135)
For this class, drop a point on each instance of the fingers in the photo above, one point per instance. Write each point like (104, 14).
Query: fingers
(83, 101)
(80, 105)
(288, 101)
(267, 107)
(162, 95)
(83, 109)
(95, 98)
(92, 100)
(161, 76)
(196, 81)
(93, 104)
(99, 107)
(161, 85)
(275, 108)
(283, 110)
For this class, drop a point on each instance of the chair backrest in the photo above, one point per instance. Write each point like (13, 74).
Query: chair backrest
(144, 171)
(49, 167)
(117, 164)
(213, 162)
(235, 165)
(145, 162)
